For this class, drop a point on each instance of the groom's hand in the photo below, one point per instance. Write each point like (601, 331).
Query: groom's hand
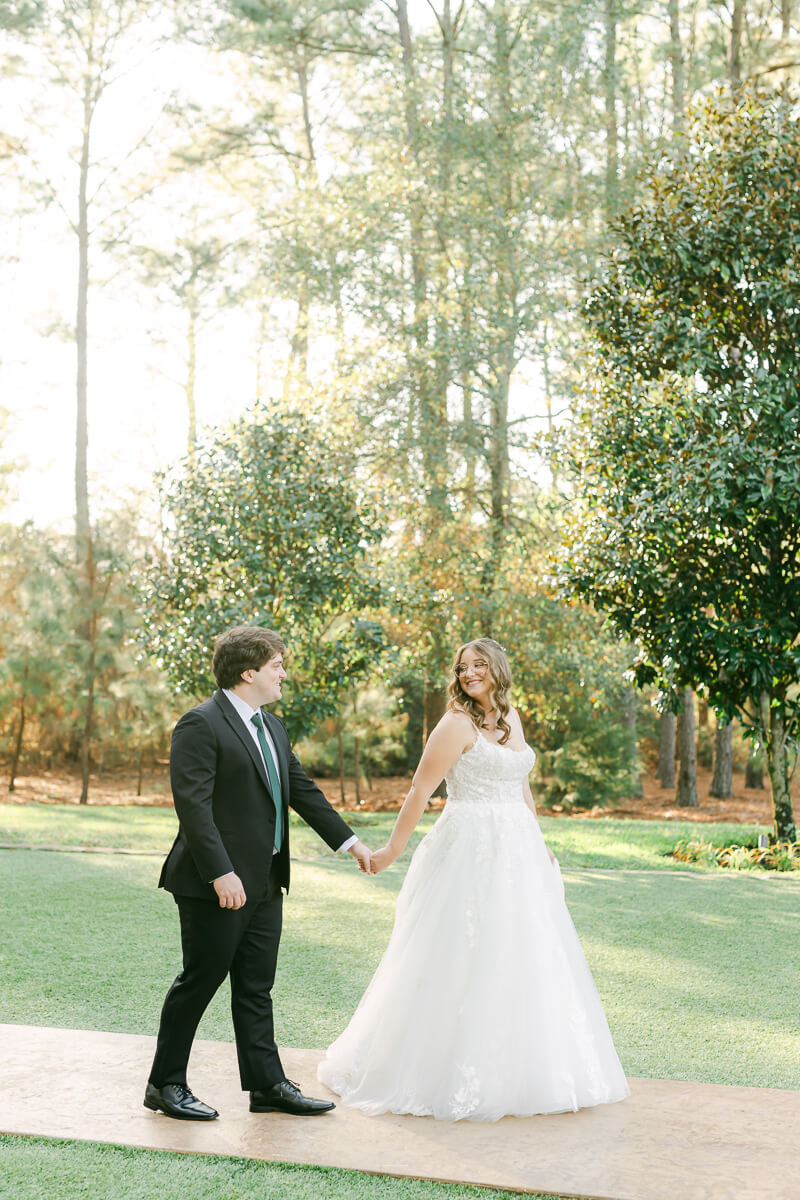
(230, 890)
(362, 856)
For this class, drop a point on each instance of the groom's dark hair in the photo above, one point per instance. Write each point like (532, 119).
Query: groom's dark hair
(243, 648)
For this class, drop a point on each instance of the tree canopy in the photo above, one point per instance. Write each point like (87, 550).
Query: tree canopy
(270, 529)
(685, 449)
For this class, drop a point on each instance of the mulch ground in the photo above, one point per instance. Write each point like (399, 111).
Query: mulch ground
(746, 805)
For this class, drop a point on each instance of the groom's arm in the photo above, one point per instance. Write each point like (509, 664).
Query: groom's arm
(310, 803)
(192, 768)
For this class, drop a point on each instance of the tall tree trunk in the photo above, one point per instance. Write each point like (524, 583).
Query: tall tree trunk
(773, 728)
(356, 752)
(430, 372)
(754, 772)
(191, 374)
(12, 778)
(434, 705)
(88, 715)
(735, 54)
(83, 531)
(139, 770)
(297, 368)
(357, 769)
(340, 744)
(470, 436)
(722, 777)
(629, 717)
(610, 98)
(548, 401)
(428, 366)
(687, 774)
(676, 64)
(786, 18)
(82, 522)
(262, 341)
(666, 750)
(505, 302)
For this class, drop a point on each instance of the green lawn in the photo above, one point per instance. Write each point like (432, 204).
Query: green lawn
(605, 842)
(697, 970)
(40, 1169)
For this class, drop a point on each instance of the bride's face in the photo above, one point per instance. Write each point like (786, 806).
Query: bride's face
(475, 676)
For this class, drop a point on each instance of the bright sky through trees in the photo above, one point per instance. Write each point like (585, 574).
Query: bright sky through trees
(137, 421)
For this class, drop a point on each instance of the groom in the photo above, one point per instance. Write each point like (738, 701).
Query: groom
(233, 778)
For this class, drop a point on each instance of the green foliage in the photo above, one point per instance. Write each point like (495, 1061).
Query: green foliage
(35, 633)
(568, 673)
(777, 856)
(269, 528)
(371, 716)
(570, 689)
(45, 612)
(21, 16)
(684, 450)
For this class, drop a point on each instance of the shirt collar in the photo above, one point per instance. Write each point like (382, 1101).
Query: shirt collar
(245, 710)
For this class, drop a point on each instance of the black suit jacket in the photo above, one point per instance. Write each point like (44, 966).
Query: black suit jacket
(224, 803)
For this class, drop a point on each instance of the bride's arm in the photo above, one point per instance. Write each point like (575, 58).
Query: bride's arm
(451, 737)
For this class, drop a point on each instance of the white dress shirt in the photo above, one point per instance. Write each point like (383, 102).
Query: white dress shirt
(247, 712)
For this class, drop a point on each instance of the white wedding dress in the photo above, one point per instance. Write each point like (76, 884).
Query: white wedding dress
(483, 1005)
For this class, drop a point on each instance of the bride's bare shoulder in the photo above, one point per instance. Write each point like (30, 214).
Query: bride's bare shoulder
(456, 726)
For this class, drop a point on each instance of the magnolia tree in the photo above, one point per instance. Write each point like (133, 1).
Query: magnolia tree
(685, 448)
(268, 527)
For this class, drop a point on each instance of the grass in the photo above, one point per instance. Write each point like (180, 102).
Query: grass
(124, 827)
(40, 1169)
(697, 970)
(605, 842)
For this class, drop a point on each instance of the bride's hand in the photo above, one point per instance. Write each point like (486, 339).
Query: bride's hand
(380, 860)
(552, 857)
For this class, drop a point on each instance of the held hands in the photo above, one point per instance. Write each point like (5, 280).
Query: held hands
(381, 859)
(230, 890)
(362, 856)
(371, 862)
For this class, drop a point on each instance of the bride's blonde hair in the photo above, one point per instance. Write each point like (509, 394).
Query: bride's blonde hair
(500, 678)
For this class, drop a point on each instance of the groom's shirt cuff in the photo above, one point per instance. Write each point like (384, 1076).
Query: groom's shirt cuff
(345, 846)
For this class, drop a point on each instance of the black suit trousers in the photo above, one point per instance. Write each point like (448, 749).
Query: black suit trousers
(218, 942)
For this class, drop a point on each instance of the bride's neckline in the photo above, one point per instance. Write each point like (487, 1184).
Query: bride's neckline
(489, 742)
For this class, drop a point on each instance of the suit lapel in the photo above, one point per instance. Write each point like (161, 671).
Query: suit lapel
(237, 725)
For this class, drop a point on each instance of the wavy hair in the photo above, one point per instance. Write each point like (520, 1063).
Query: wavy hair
(500, 678)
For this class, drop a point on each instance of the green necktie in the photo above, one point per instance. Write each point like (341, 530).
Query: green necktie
(272, 774)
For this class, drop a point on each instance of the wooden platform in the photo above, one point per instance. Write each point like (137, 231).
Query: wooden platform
(668, 1141)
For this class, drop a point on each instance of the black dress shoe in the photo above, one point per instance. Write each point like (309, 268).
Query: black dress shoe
(177, 1101)
(286, 1097)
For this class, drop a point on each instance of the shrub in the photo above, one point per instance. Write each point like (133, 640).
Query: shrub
(777, 856)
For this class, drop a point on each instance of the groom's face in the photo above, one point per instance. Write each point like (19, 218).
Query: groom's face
(266, 681)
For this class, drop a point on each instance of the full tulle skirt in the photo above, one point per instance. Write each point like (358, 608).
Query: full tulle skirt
(483, 1005)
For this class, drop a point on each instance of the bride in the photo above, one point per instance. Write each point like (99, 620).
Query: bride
(483, 1005)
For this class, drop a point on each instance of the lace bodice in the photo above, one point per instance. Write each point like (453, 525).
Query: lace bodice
(488, 773)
